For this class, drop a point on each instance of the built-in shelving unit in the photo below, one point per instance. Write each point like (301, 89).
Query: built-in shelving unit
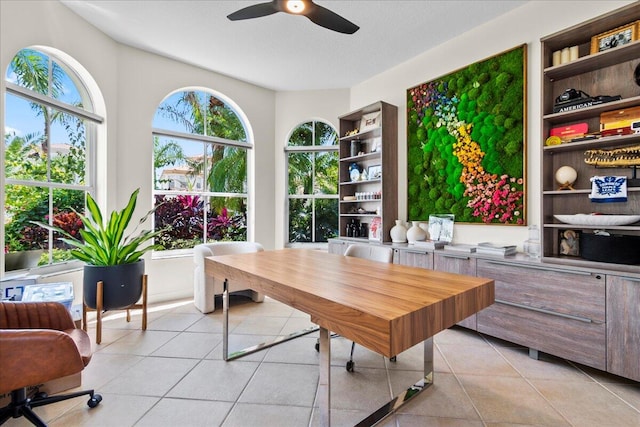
(373, 146)
(609, 72)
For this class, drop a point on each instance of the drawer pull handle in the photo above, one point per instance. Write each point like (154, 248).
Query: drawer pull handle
(454, 256)
(536, 267)
(631, 279)
(542, 310)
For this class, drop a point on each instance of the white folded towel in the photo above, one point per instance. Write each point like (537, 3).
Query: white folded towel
(605, 189)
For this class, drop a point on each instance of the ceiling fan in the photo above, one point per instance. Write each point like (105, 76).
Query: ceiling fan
(316, 13)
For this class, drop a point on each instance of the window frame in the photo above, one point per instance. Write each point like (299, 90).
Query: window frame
(90, 120)
(204, 193)
(288, 149)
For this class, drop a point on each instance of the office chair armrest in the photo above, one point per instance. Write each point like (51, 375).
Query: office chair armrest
(38, 315)
(34, 356)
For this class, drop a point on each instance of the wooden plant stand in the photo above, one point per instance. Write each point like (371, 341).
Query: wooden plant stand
(98, 309)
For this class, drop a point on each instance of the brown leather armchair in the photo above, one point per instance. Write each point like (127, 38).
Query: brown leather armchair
(39, 342)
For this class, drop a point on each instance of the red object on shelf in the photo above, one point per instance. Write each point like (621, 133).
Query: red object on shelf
(567, 133)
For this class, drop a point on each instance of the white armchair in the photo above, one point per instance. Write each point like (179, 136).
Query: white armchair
(205, 288)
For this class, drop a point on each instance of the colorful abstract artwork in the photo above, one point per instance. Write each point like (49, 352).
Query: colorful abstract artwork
(466, 143)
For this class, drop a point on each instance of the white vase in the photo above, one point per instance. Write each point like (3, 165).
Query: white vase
(399, 232)
(425, 228)
(415, 233)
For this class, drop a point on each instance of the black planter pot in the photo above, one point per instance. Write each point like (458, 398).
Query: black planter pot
(122, 284)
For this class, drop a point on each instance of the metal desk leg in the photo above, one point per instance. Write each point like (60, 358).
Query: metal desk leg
(408, 394)
(255, 348)
(324, 386)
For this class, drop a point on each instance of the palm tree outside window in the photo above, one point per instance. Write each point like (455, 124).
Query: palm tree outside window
(312, 196)
(49, 139)
(200, 156)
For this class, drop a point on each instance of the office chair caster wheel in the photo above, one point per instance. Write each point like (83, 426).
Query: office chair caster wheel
(94, 401)
(350, 365)
(317, 346)
(393, 359)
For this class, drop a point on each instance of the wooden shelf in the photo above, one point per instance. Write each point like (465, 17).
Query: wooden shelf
(385, 156)
(603, 73)
(595, 61)
(585, 113)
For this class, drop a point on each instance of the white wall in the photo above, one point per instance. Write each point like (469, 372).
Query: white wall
(526, 24)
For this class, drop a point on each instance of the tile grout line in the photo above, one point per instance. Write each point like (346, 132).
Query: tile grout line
(464, 390)
(529, 382)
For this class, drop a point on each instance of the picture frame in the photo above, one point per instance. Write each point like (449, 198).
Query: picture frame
(375, 229)
(619, 36)
(374, 172)
(466, 142)
(441, 227)
(569, 242)
(370, 121)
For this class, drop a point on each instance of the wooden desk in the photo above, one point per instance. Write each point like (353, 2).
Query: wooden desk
(387, 308)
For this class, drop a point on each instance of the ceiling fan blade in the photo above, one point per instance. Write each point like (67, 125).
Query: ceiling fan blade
(254, 11)
(331, 20)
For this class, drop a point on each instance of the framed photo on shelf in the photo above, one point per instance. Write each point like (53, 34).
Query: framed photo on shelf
(569, 242)
(441, 227)
(375, 229)
(374, 172)
(614, 38)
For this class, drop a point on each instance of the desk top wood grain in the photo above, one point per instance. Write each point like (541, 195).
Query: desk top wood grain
(387, 308)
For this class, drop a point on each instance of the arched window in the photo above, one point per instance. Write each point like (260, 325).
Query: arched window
(49, 141)
(312, 190)
(200, 157)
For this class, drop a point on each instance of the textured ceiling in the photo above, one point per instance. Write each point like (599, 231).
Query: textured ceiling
(286, 52)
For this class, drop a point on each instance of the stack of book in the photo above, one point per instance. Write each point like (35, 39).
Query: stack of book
(430, 244)
(460, 247)
(490, 248)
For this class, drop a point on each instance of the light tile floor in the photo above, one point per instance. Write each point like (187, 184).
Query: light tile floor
(173, 375)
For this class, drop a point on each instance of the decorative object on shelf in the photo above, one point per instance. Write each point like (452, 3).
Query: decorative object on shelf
(553, 140)
(399, 232)
(354, 172)
(604, 247)
(618, 122)
(374, 172)
(569, 242)
(375, 229)
(608, 189)
(352, 132)
(355, 147)
(484, 175)
(364, 176)
(416, 233)
(569, 133)
(370, 121)
(565, 55)
(573, 99)
(376, 143)
(614, 38)
(531, 246)
(491, 248)
(556, 58)
(618, 157)
(441, 227)
(598, 220)
(566, 176)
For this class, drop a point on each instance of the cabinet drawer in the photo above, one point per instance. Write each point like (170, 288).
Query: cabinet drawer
(414, 259)
(576, 340)
(461, 264)
(571, 293)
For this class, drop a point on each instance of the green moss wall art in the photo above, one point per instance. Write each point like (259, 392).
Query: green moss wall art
(466, 143)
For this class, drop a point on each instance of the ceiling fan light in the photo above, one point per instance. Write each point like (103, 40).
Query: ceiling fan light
(295, 6)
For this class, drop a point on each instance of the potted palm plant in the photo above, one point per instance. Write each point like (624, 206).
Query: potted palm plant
(110, 256)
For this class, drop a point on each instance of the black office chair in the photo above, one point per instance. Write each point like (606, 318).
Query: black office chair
(372, 253)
